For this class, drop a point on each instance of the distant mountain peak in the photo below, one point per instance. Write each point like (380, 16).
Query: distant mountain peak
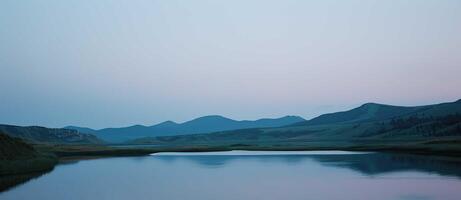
(371, 104)
(169, 122)
(137, 126)
(210, 118)
(291, 116)
(205, 124)
(287, 117)
(166, 124)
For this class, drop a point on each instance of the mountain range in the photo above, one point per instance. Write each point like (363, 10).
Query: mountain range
(206, 124)
(370, 121)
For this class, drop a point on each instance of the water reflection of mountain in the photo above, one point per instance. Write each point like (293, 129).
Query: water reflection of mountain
(378, 163)
(10, 181)
(368, 164)
(213, 161)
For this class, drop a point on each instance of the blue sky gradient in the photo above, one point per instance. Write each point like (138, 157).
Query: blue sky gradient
(112, 63)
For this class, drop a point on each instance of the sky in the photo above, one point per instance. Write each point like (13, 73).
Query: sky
(113, 63)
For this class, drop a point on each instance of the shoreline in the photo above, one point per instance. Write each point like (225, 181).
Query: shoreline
(67, 153)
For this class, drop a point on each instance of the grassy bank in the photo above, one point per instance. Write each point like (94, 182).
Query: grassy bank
(18, 157)
(447, 147)
(22, 166)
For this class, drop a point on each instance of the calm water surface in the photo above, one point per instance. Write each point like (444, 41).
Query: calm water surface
(250, 175)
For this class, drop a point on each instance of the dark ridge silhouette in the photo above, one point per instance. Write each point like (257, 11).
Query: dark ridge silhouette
(366, 113)
(370, 121)
(204, 124)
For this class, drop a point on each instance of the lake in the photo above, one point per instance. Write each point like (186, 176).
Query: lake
(250, 175)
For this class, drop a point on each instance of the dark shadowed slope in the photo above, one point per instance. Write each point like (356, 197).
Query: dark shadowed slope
(17, 156)
(205, 124)
(20, 162)
(14, 148)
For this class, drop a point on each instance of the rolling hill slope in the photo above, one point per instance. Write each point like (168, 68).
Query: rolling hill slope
(366, 113)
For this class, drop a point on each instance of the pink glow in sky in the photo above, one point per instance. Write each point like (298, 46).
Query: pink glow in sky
(115, 63)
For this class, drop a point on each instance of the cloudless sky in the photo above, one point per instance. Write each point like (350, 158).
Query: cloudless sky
(111, 63)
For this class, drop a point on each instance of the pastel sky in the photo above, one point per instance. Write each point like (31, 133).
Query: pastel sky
(112, 63)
